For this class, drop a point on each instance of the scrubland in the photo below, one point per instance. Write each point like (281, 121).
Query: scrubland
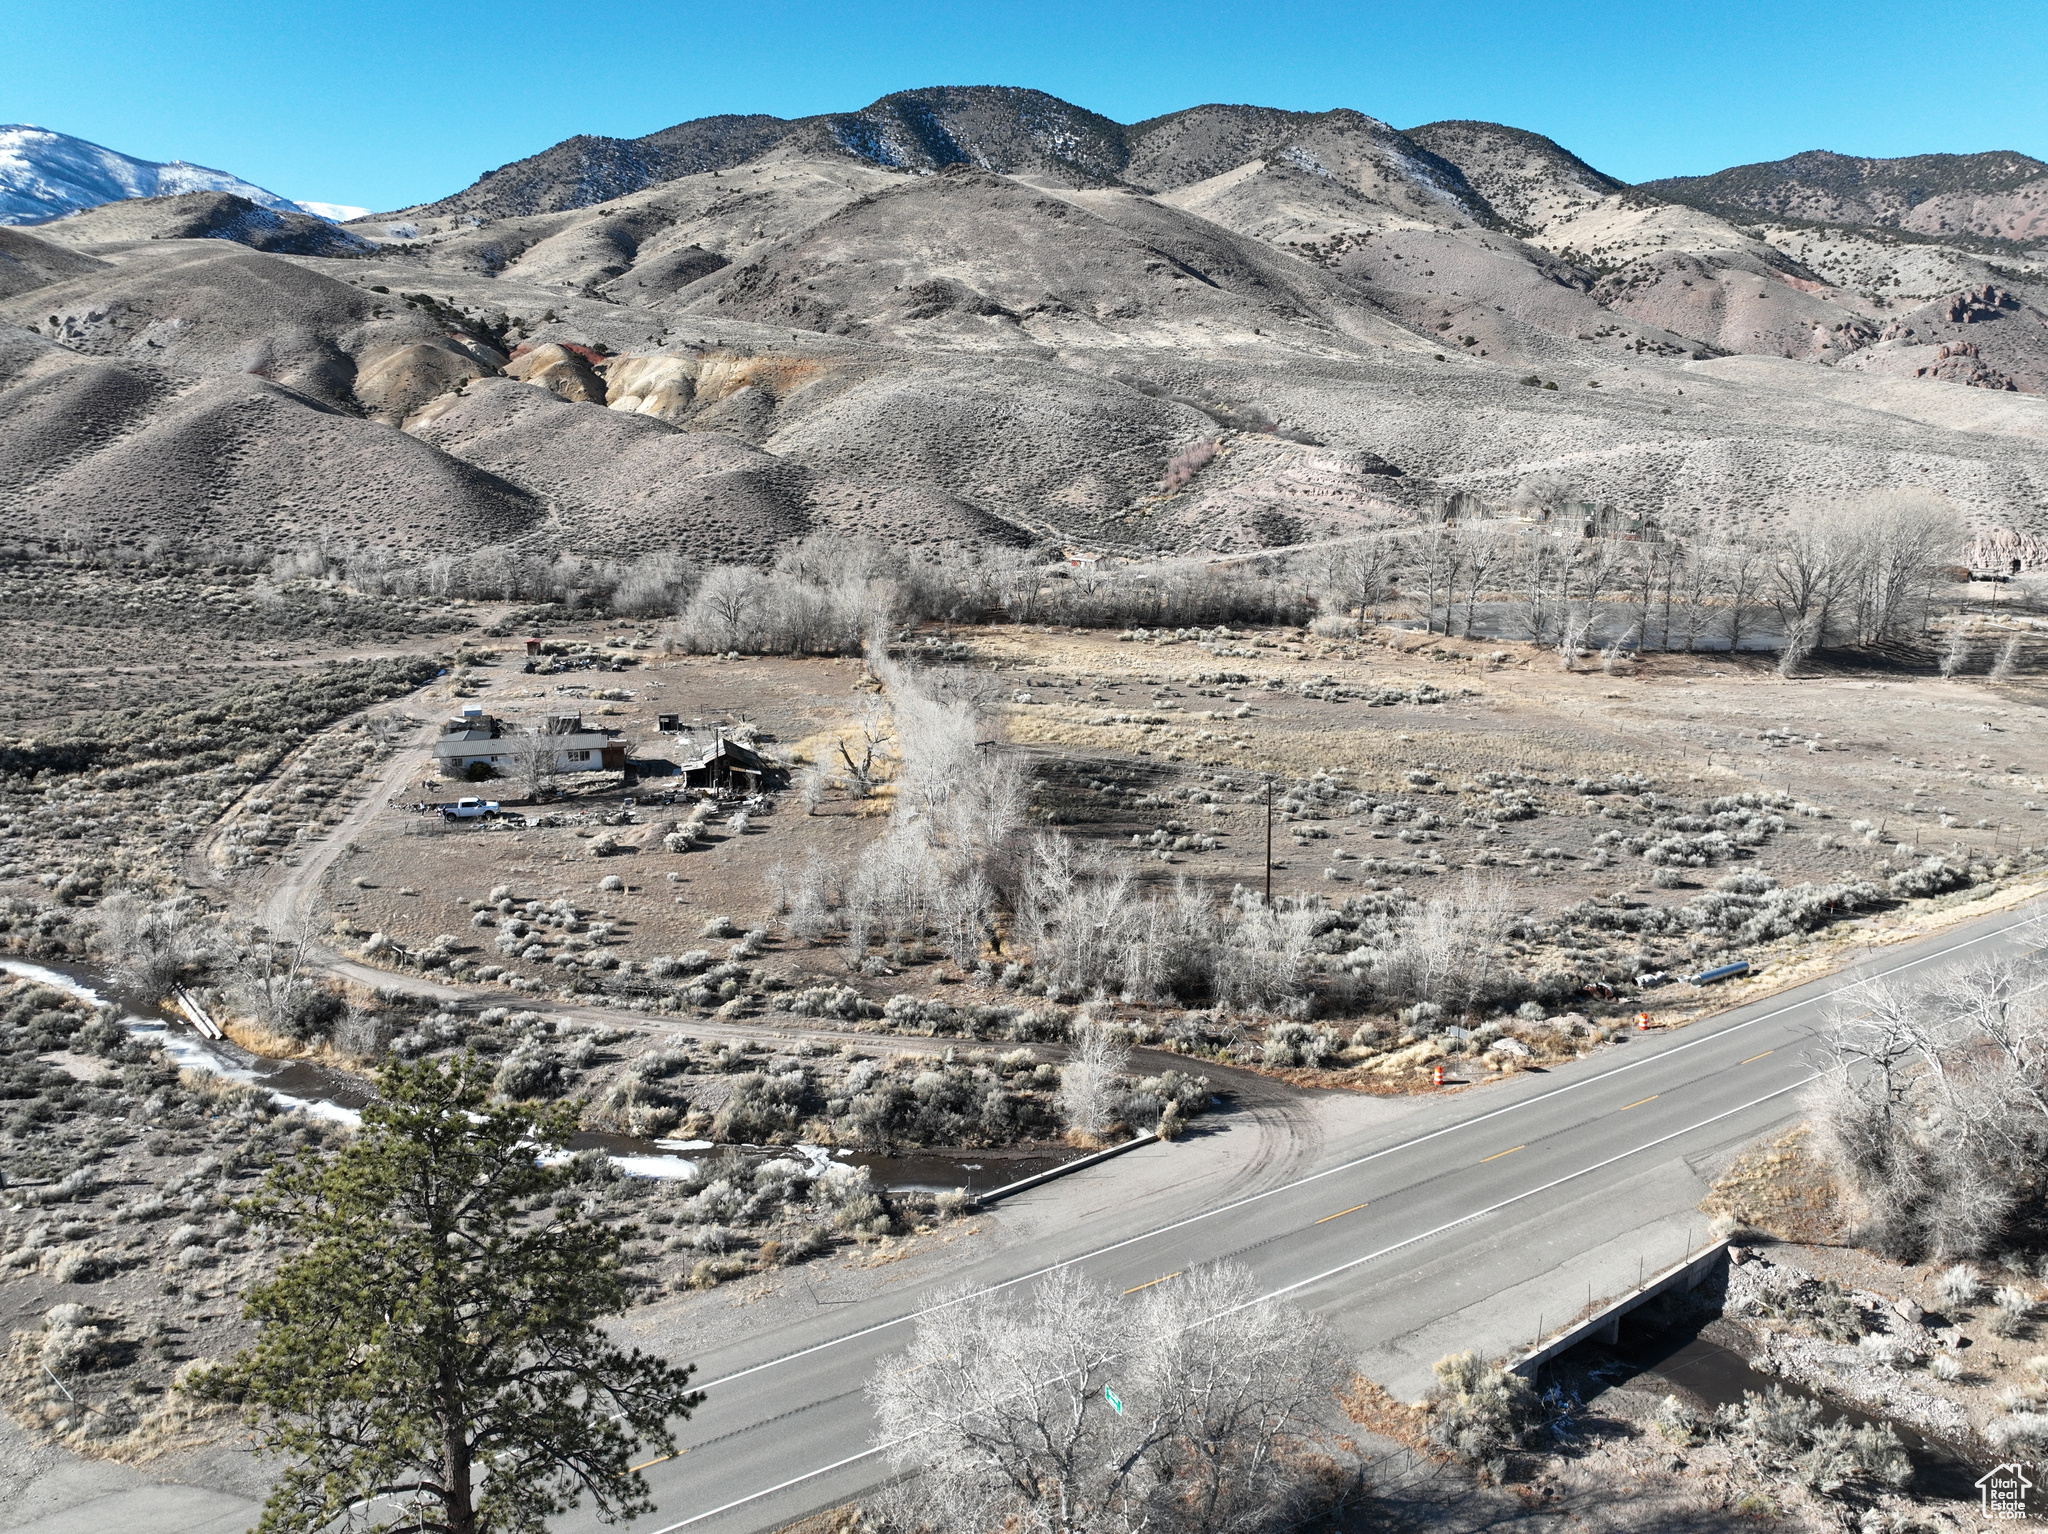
(993, 858)
(1463, 836)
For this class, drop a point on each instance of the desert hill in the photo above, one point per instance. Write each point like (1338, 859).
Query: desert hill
(998, 128)
(982, 317)
(27, 262)
(1525, 178)
(207, 215)
(589, 169)
(2001, 195)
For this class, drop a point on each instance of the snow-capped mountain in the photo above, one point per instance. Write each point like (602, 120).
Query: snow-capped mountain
(45, 175)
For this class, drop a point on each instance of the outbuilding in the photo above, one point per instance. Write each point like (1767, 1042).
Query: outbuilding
(729, 766)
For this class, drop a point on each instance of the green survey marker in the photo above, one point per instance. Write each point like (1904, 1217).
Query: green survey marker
(1110, 1396)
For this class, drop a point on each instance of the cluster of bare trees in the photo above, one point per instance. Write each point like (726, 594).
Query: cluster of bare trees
(958, 798)
(1448, 949)
(1934, 1111)
(153, 943)
(1092, 930)
(1199, 1407)
(1545, 570)
(832, 595)
(1091, 1082)
(957, 869)
(1854, 573)
(653, 585)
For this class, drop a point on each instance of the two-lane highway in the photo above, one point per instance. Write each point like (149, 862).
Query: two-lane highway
(1452, 1226)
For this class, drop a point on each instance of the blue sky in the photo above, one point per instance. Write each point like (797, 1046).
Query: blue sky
(383, 104)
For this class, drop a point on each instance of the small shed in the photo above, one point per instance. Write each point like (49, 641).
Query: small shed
(727, 765)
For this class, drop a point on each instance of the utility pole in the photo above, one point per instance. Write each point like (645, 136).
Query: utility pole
(1269, 842)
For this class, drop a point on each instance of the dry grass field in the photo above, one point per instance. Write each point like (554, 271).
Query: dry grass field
(1658, 815)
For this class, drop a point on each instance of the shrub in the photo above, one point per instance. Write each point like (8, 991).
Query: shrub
(1481, 1413)
(1182, 468)
(1886, 1351)
(1679, 1423)
(1298, 1044)
(1933, 876)
(311, 1012)
(70, 1344)
(530, 1072)
(1780, 1434)
(1962, 1285)
(2021, 1430)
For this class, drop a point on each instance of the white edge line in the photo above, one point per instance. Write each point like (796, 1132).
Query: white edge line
(1505, 1108)
(1480, 1214)
(851, 1459)
(1327, 1273)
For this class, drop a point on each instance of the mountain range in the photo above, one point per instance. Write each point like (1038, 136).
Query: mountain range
(45, 175)
(986, 314)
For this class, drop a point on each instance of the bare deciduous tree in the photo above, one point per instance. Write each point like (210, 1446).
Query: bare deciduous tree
(150, 941)
(871, 723)
(1358, 573)
(1535, 569)
(1955, 655)
(533, 762)
(1812, 563)
(1738, 576)
(1487, 546)
(1199, 1407)
(1934, 1111)
(1441, 549)
(1091, 1082)
(2008, 660)
(1905, 538)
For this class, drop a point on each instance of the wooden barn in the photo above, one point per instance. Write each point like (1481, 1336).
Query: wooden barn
(728, 766)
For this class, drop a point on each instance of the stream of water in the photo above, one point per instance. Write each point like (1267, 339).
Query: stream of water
(328, 1092)
(1694, 1361)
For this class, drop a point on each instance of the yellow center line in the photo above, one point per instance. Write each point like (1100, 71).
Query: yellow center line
(1340, 1214)
(1754, 1058)
(1498, 1154)
(1176, 1273)
(659, 1459)
(1641, 1100)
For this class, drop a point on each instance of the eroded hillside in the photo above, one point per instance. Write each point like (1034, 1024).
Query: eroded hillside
(987, 316)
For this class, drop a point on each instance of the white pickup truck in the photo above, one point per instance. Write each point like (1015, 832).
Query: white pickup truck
(469, 809)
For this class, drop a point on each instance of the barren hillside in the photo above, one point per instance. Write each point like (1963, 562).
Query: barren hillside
(984, 316)
(2000, 195)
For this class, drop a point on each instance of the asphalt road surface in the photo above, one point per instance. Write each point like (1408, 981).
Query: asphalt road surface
(1453, 1222)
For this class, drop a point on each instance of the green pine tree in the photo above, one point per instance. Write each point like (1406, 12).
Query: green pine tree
(430, 1359)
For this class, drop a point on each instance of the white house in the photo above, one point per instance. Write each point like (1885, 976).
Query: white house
(477, 737)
